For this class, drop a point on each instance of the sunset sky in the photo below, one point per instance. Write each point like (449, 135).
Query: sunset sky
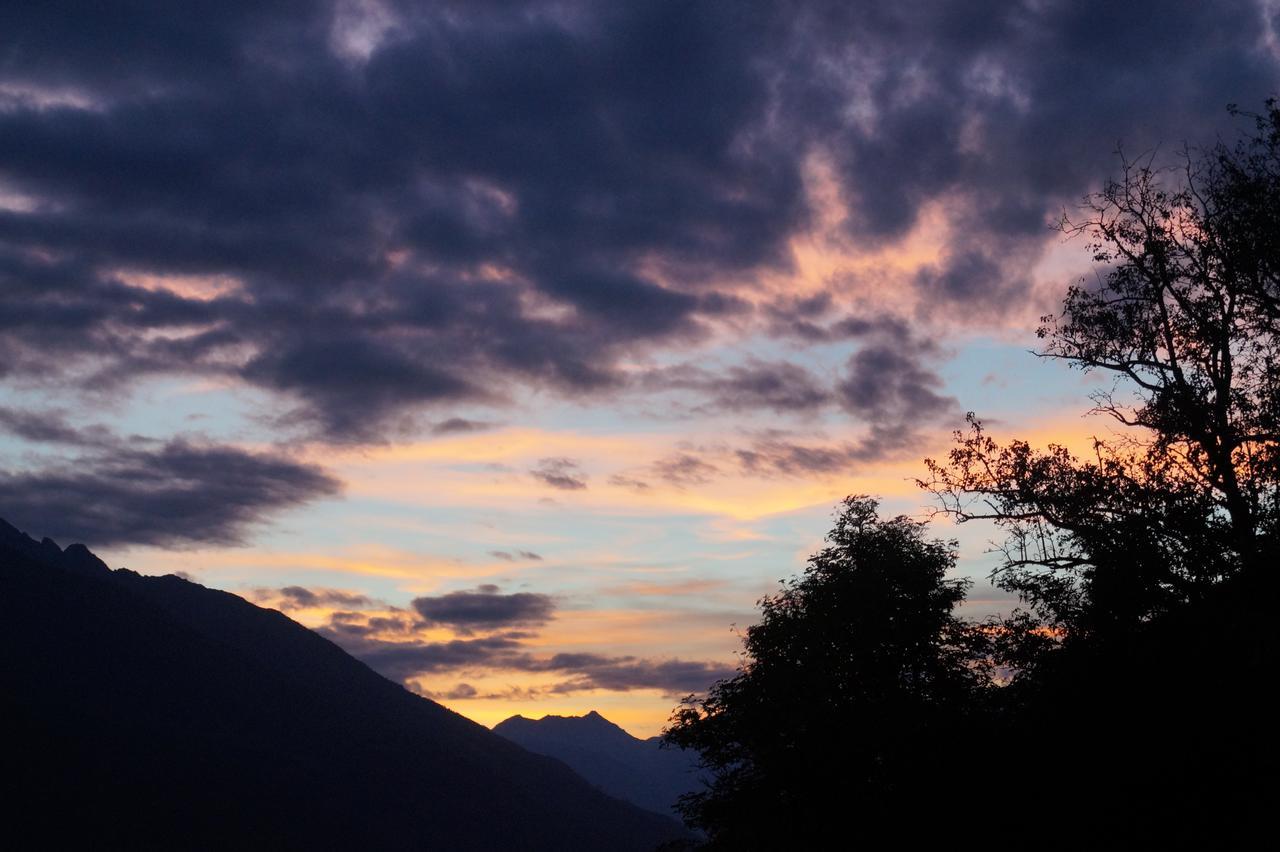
(521, 347)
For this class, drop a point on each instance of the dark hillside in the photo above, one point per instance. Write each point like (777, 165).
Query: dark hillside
(151, 712)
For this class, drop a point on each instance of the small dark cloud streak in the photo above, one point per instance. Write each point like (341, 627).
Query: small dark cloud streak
(407, 660)
(560, 473)
(780, 386)
(492, 630)
(300, 597)
(485, 608)
(512, 556)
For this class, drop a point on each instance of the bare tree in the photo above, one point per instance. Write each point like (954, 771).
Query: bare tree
(1183, 314)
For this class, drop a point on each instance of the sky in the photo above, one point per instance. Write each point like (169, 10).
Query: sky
(521, 347)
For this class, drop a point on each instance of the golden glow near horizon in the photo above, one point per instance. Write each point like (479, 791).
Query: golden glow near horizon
(608, 603)
(640, 566)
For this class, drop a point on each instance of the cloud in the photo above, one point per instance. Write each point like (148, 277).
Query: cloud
(352, 386)
(49, 427)
(629, 482)
(178, 493)
(350, 626)
(779, 386)
(485, 608)
(622, 674)
(491, 634)
(896, 419)
(885, 384)
(782, 457)
(560, 473)
(300, 597)
(481, 198)
(684, 468)
(363, 238)
(460, 692)
(405, 661)
(457, 425)
(888, 385)
(509, 556)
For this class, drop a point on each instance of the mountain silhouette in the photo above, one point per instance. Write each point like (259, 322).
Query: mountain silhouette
(639, 771)
(152, 712)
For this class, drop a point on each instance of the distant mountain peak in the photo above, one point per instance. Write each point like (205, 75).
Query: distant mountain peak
(76, 559)
(590, 720)
(607, 755)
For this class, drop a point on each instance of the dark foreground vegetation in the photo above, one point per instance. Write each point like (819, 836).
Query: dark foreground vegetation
(1126, 703)
(153, 713)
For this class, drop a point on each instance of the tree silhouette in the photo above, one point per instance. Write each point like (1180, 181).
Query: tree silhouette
(850, 693)
(1184, 317)
(1129, 704)
(1148, 564)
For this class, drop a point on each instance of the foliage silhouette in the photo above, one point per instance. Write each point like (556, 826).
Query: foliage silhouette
(1140, 670)
(1184, 318)
(1128, 704)
(858, 670)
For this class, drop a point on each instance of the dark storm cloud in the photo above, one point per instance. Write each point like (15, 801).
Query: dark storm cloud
(886, 385)
(525, 194)
(172, 494)
(352, 384)
(485, 608)
(359, 204)
(1009, 110)
(560, 473)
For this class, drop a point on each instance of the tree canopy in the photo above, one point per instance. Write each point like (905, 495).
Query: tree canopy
(1183, 315)
(1127, 704)
(853, 679)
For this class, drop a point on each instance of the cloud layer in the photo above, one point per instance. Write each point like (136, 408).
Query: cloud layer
(484, 608)
(176, 494)
(490, 632)
(383, 215)
(107, 490)
(370, 209)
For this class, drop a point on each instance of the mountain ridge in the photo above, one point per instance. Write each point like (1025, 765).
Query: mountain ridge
(641, 771)
(151, 711)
